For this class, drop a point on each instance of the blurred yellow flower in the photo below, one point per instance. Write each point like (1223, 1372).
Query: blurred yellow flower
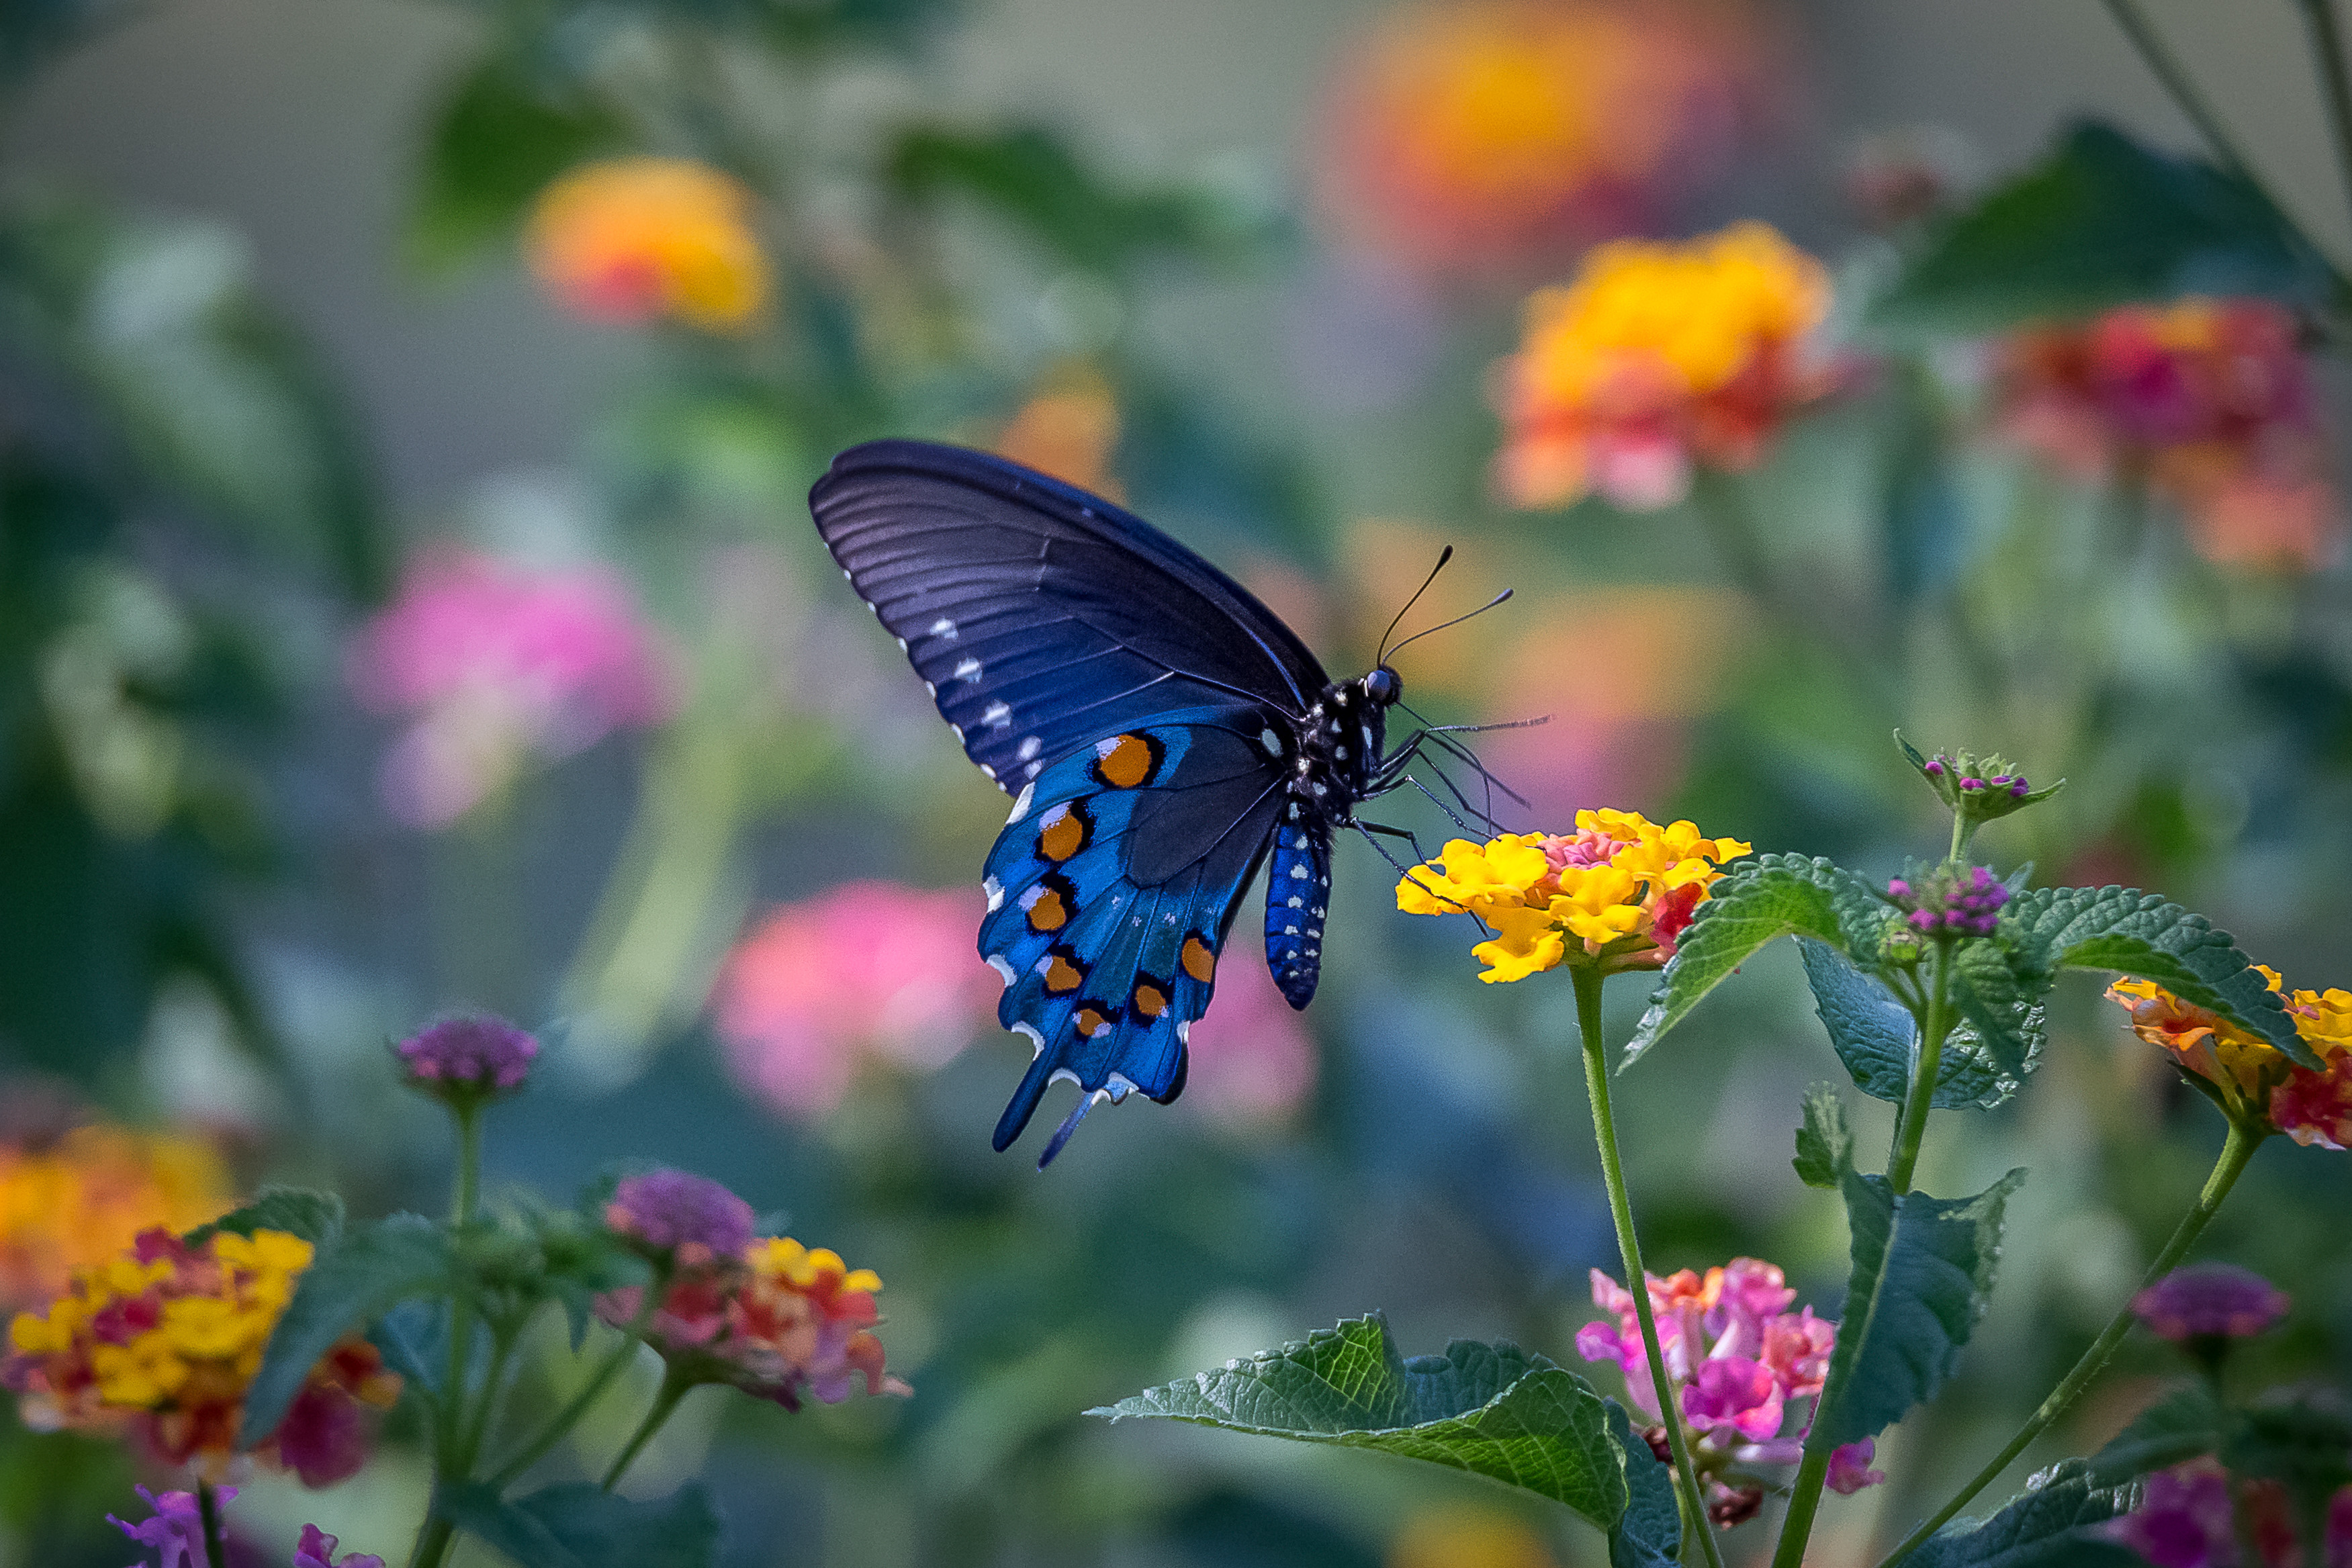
(1620, 879)
(1466, 1537)
(637, 238)
(1657, 357)
(75, 1202)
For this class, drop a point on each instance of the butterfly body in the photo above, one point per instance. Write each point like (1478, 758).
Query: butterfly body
(1163, 734)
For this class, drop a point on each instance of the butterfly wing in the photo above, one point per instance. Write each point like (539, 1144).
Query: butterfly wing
(1110, 894)
(1043, 618)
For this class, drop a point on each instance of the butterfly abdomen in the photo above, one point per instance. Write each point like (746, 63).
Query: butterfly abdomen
(1297, 902)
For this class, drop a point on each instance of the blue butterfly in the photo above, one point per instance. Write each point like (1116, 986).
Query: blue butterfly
(1162, 734)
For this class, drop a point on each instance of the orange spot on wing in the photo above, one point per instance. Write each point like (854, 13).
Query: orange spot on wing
(1089, 1020)
(1199, 962)
(1124, 761)
(1047, 910)
(1061, 974)
(1061, 832)
(1150, 999)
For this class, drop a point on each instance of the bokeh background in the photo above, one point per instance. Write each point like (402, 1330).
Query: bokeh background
(407, 601)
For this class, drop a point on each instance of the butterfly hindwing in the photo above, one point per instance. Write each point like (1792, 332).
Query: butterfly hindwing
(1110, 891)
(1042, 617)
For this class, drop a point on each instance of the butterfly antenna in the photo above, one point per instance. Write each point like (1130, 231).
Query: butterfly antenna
(1069, 1124)
(1443, 557)
(1442, 625)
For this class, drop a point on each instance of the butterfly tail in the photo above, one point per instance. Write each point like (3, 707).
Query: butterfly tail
(1024, 1103)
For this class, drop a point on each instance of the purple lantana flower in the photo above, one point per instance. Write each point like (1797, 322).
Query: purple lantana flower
(476, 1055)
(673, 1210)
(1850, 1468)
(177, 1531)
(2210, 1300)
(317, 1549)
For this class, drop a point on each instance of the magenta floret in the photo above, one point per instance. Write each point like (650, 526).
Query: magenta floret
(476, 1051)
(667, 1210)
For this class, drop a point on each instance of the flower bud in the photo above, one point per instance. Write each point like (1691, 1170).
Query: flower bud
(1977, 788)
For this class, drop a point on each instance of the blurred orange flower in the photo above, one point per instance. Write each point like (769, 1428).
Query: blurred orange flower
(2211, 398)
(74, 1203)
(1657, 357)
(1067, 430)
(1466, 1536)
(637, 238)
(1470, 136)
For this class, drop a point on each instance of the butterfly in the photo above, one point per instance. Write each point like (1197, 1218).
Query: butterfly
(1162, 735)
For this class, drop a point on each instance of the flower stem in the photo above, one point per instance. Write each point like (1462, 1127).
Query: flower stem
(216, 1539)
(673, 1389)
(1621, 1210)
(1804, 1502)
(2327, 55)
(2170, 74)
(601, 1379)
(2242, 1141)
(1919, 1102)
(468, 1111)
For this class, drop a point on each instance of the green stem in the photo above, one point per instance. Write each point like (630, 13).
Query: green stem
(468, 1111)
(1637, 1278)
(434, 1543)
(2327, 55)
(601, 1379)
(2242, 1141)
(216, 1539)
(1804, 1502)
(1919, 1102)
(2166, 68)
(673, 1389)
(471, 1433)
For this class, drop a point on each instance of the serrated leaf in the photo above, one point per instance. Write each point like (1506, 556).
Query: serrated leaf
(2054, 1523)
(2102, 220)
(1873, 1034)
(582, 1526)
(1825, 1144)
(1492, 1410)
(1922, 1269)
(2184, 1424)
(315, 1216)
(2001, 1006)
(2126, 931)
(353, 1281)
(1769, 897)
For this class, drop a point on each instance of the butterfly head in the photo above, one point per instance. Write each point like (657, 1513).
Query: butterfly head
(1382, 687)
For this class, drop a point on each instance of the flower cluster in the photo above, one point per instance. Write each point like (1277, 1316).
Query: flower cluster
(2252, 1079)
(2187, 1517)
(638, 238)
(1620, 889)
(2210, 1302)
(477, 1055)
(496, 660)
(175, 1533)
(1465, 137)
(1739, 1357)
(1976, 788)
(869, 969)
(1951, 901)
(2211, 399)
(74, 1202)
(764, 1314)
(1655, 358)
(166, 1338)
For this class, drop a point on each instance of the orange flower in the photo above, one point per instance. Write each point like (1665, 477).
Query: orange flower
(2211, 398)
(1657, 356)
(1464, 137)
(641, 237)
(2254, 1080)
(73, 1204)
(1067, 430)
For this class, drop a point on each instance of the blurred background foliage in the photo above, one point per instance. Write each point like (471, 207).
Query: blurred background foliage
(407, 601)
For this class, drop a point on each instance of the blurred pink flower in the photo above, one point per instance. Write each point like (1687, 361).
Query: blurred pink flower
(1850, 1468)
(2183, 1520)
(494, 659)
(1251, 1058)
(2210, 1300)
(869, 968)
(2212, 399)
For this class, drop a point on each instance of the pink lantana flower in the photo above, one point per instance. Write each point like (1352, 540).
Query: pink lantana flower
(317, 1549)
(1738, 1356)
(492, 660)
(176, 1532)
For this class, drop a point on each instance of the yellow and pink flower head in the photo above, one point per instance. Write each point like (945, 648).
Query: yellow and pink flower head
(1619, 887)
(2250, 1075)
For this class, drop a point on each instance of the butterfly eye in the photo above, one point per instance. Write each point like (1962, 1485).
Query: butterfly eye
(1383, 686)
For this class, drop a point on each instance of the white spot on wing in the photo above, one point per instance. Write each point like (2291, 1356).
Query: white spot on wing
(995, 891)
(997, 715)
(1020, 806)
(967, 670)
(1271, 741)
(996, 962)
(1030, 747)
(1118, 1086)
(1036, 1040)
(943, 627)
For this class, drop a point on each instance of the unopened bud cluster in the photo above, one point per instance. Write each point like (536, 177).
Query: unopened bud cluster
(1951, 901)
(1977, 788)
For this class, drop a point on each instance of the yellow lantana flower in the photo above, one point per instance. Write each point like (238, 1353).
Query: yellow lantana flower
(1620, 884)
(2256, 1079)
(635, 238)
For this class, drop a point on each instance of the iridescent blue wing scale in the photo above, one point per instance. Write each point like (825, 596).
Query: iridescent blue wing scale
(1110, 894)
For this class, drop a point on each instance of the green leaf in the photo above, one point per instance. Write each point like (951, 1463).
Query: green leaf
(1825, 1144)
(2184, 1424)
(2126, 931)
(582, 1526)
(2052, 1523)
(501, 135)
(353, 1281)
(1492, 1410)
(1769, 897)
(1873, 1034)
(2102, 220)
(2001, 1008)
(2306, 1449)
(315, 1216)
(1922, 1269)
